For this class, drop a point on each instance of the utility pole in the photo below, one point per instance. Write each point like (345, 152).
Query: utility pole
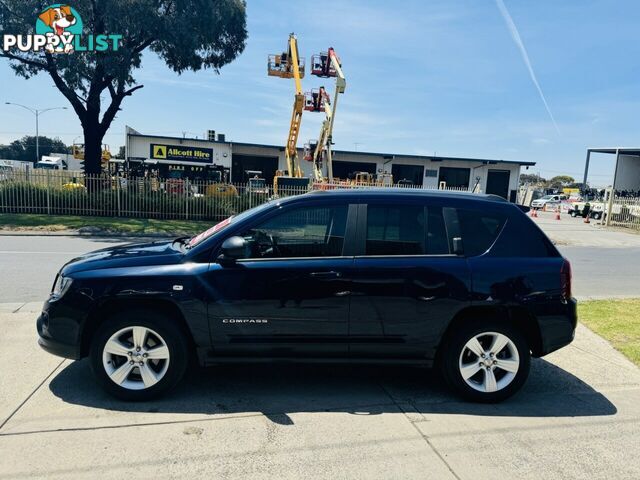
(37, 113)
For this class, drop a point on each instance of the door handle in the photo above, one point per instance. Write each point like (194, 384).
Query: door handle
(427, 299)
(330, 274)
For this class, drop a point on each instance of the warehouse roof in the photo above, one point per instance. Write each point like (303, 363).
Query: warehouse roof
(390, 156)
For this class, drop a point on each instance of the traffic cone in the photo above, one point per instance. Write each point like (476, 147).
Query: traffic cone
(535, 213)
(586, 219)
(558, 213)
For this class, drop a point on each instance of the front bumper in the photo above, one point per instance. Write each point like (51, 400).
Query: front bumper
(52, 345)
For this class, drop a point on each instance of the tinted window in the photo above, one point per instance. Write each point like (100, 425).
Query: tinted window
(437, 242)
(522, 238)
(303, 232)
(395, 230)
(479, 230)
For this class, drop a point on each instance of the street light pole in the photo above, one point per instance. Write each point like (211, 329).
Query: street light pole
(37, 114)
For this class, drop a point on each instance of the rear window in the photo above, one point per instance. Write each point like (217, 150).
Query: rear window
(479, 230)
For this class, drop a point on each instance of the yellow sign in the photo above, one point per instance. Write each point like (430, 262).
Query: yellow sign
(180, 153)
(160, 151)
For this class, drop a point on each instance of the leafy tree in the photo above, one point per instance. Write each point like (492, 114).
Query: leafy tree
(530, 178)
(186, 34)
(560, 181)
(25, 148)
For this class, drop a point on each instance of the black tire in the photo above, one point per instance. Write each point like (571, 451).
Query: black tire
(453, 348)
(166, 327)
(573, 213)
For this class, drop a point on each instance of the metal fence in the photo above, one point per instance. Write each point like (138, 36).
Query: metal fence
(625, 212)
(55, 192)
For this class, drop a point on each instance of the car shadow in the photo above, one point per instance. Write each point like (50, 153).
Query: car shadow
(276, 390)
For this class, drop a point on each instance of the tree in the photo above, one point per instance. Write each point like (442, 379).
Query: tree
(560, 181)
(186, 34)
(530, 178)
(25, 148)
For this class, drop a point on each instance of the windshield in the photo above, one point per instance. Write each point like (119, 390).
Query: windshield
(195, 240)
(547, 197)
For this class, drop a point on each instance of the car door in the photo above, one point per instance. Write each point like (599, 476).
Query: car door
(290, 296)
(407, 285)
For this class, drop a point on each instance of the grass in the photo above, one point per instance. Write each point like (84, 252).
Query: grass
(618, 321)
(131, 226)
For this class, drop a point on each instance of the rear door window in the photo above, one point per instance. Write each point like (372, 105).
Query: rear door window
(437, 241)
(479, 229)
(405, 230)
(395, 230)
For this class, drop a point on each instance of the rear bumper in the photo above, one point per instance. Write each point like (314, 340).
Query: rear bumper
(557, 331)
(51, 345)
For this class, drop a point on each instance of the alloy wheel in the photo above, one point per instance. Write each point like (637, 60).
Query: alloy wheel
(135, 358)
(489, 362)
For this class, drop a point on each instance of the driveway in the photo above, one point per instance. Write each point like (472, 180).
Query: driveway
(577, 417)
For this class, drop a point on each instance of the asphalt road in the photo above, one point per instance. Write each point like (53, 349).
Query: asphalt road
(28, 265)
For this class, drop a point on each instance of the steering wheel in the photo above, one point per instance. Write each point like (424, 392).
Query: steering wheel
(261, 238)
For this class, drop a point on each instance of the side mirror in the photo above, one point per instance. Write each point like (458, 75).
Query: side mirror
(458, 248)
(233, 248)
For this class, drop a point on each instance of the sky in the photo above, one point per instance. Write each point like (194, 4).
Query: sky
(502, 79)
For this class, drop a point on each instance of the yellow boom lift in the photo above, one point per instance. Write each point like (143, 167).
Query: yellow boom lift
(288, 64)
(78, 153)
(325, 65)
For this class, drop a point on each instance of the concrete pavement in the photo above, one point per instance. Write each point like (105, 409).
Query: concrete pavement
(578, 416)
(574, 232)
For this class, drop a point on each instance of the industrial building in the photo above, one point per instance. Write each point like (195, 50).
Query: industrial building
(626, 176)
(498, 177)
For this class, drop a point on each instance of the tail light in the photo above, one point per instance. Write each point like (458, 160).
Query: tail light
(565, 279)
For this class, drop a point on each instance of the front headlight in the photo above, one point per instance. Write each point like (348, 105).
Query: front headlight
(60, 286)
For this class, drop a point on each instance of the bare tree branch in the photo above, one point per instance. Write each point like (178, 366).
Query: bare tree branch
(26, 61)
(64, 88)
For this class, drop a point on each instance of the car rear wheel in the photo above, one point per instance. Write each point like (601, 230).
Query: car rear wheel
(138, 355)
(487, 362)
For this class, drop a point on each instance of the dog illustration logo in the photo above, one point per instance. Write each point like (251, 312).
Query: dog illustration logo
(62, 21)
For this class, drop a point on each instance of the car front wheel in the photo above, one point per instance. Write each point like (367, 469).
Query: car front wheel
(138, 355)
(487, 362)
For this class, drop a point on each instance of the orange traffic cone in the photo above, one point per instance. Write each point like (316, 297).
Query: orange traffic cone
(586, 219)
(558, 213)
(535, 213)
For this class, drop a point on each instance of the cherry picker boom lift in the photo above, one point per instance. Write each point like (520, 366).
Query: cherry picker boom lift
(290, 65)
(326, 65)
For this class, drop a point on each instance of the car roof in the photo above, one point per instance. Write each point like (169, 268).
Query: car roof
(396, 193)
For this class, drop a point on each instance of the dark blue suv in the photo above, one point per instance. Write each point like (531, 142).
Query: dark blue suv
(464, 282)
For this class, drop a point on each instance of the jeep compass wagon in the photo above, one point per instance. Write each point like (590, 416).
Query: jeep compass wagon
(466, 283)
